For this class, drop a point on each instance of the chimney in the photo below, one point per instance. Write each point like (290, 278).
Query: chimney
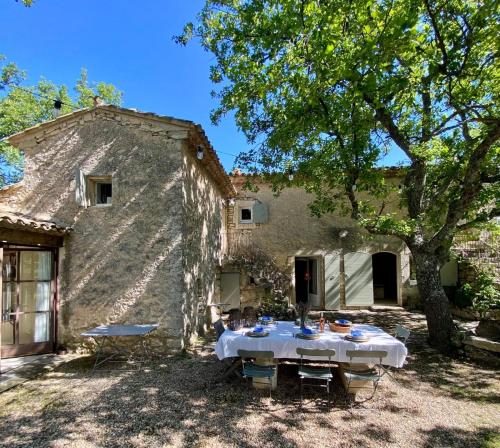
(98, 101)
(57, 108)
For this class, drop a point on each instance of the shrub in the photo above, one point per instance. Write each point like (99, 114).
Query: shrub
(482, 294)
(276, 307)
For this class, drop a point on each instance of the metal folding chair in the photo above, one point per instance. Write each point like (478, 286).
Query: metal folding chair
(402, 334)
(316, 373)
(372, 374)
(253, 370)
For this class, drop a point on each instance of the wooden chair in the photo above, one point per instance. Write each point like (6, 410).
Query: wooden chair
(315, 373)
(252, 370)
(371, 374)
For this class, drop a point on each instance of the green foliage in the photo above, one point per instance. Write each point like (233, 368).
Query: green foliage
(24, 107)
(277, 307)
(483, 294)
(327, 88)
(464, 296)
(269, 275)
(9, 73)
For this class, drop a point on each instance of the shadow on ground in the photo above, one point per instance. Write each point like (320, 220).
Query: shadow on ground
(177, 401)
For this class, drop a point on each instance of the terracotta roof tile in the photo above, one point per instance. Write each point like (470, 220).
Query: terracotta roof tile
(16, 220)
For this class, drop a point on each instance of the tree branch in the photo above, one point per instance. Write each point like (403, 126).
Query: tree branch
(480, 219)
(385, 119)
(471, 186)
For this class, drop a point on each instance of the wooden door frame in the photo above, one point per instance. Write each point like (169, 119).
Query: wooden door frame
(320, 274)
(38, 347)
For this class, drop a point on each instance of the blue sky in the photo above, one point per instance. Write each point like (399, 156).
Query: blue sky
(129, 44)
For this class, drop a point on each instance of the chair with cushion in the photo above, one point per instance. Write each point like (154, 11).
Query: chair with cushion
(219, 328)
(253, 370)
(315, 373)
(370, 374)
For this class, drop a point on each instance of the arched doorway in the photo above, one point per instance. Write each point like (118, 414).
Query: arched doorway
(385, 282)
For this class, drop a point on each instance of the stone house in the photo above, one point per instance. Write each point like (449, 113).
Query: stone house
(124, 216)
(116, 220)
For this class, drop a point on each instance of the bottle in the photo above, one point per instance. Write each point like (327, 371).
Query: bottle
(321, 323)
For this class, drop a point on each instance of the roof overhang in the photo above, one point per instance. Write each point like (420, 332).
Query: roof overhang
(17, 221)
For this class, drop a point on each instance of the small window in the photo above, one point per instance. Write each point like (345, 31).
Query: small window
(246, 215)
(99, 190)
(103, 193)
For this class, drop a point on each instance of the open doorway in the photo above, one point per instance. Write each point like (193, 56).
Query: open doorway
(385, 282)
(307, 281)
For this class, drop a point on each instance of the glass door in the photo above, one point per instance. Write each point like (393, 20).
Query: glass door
(27, 302)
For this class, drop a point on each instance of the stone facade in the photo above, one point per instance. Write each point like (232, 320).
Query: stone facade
(152, 253)
(292, 232)
(204, 243)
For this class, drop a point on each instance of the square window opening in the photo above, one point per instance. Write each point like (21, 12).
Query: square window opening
(104, 193)
(246, 215)
(99, 190)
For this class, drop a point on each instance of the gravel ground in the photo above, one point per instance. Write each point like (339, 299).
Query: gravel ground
(176, 402)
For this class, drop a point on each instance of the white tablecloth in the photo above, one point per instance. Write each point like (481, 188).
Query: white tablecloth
(282, 342)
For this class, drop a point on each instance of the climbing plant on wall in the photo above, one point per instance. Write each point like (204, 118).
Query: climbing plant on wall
(266, 272)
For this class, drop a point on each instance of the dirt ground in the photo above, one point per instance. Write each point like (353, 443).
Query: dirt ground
(177, 402)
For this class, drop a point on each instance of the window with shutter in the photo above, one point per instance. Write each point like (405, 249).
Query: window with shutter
(260, 213)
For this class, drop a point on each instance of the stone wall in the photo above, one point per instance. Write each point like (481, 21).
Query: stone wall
(292, 232)
(203, 244)
(122, 262)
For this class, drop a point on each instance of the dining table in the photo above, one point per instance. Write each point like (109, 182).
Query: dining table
(282, 340)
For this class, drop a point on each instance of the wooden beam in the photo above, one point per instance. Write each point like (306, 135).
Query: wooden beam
(13, 236)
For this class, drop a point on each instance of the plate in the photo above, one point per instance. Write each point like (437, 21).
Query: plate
(347, 323)
(266, 321)
(307, 336)
(356, 339)
(259, 334)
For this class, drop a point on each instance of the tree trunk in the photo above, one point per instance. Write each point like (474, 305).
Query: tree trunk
(436, 306)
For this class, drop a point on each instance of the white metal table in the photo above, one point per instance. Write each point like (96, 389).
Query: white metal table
(105, 337)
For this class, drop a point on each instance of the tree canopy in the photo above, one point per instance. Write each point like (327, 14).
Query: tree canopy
(325, 87)
(23, 107)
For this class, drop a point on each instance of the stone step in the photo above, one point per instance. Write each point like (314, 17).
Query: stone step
(386, 308)
(483, 344)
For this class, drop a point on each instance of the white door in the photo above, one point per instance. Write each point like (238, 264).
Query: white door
(230, 289)
(332, 282)
(358, 279)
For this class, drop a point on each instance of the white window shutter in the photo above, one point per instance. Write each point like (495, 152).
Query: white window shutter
(80, 188)
(260, 213)
(358, 279)
(332, 282)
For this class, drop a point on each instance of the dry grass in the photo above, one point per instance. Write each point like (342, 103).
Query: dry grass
(437, 402)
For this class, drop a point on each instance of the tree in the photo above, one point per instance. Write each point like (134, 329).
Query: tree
(24, 107)
(327, 86)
